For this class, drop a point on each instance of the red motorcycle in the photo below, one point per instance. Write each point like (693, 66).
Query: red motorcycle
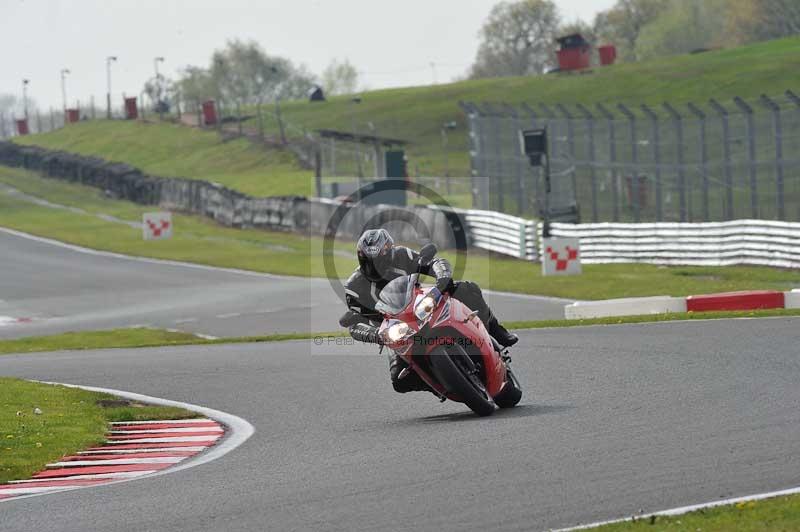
(446, 344)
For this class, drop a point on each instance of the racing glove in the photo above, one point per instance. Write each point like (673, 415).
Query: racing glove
(364, 332)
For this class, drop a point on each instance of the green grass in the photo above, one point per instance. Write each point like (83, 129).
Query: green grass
(653, 318)
(142, 338)
(171, 150)
(202, 241)
(773, 515)
(136, 337)
(71, 420)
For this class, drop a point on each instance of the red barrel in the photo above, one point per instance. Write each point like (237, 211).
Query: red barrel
(608, 54)
(22, 126)
(209, 113)
(131, 109)
(73, 115)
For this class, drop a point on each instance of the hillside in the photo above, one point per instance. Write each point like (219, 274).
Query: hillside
(170, 150)
(418, 113)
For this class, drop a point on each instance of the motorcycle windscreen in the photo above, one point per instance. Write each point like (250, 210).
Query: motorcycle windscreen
(396, 295)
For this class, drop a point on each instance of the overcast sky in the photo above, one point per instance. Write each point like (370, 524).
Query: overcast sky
(391, 43)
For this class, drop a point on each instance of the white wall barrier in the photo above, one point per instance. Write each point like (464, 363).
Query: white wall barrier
(498, 232)
(756, 242)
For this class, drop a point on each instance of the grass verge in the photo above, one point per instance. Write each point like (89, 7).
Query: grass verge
(135, 338)
(779, 513)
(96, 340)
(71, 420)
(653, 318)
(201, 241)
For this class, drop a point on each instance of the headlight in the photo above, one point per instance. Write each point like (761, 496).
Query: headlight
(425, 307)
(397, 332)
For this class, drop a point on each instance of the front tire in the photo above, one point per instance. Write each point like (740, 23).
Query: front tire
(451, 368)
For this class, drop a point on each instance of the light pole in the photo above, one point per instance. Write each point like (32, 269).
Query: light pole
(156, 61)
(447, 126)
(25, 97)
(110, 59)
(64, 72)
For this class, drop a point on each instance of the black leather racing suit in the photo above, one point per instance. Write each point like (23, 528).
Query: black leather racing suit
(361, 296)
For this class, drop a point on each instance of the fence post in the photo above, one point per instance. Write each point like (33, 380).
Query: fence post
(534, 117)
(570, 145)
(777, 127)
(635, 183)
(498, 163)
(751, 153)
(655, 134)
(612, 153)
(512, 112)
(677, 121)
(726, 150)
(592, 156)
(701, 117)
(473, 149)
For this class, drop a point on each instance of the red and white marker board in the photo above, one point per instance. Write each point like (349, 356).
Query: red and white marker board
(156, 225)
(561, 256)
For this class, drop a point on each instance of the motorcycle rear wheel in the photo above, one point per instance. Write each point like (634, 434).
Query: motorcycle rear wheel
(450, 367)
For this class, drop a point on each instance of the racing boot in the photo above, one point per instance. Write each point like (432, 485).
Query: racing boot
(404, 380)
(499, 333)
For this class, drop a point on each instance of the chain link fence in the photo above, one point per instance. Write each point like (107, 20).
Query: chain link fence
(682, 163)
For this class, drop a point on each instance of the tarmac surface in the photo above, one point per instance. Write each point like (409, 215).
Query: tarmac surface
(55, 289)
(613, 420)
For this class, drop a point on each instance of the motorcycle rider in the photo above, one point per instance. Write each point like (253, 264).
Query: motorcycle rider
(380, 261)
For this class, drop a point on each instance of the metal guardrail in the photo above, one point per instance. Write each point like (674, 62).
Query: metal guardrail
(754, 242)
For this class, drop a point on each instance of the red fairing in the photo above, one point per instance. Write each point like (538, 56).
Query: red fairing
(476, 332)
(453, 314)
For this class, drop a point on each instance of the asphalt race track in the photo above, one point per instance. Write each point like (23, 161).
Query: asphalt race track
(60, 289)
(614, 420)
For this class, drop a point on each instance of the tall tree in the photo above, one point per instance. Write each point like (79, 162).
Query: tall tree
(684, 26)
(622, 24)
(195, 85)
(758, 20)
(517, 39)
(340, 77)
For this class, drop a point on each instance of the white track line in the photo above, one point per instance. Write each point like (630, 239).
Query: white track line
(134, 451)
(120, 475)
(119, 461)
(239, 432)
(176, 431)
(686, 509)
(32, 490)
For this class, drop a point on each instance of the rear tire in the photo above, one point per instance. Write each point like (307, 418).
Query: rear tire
(456, 381)
(511, 394)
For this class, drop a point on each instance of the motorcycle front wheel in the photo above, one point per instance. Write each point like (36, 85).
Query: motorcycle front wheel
(456, 372)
